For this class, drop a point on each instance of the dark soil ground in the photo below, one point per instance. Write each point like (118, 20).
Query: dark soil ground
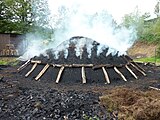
(26, 99)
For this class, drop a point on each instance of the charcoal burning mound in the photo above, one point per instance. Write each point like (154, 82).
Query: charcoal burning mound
(81, 59)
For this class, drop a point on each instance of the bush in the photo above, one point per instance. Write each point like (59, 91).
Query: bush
(151, 38)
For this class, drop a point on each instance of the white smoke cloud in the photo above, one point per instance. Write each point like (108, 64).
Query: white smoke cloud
(86, 18)
(90, 19)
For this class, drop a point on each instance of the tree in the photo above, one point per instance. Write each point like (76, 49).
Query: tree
(15, 16)
(135, 20)
(157, 9)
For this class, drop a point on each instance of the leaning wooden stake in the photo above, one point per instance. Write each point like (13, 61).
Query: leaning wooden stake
(42, 72)
(24, 65)
(138, 69)
(131, 71)
(115, 68)
(138, 66)
(83, 76)
(33, 67)
(106, 75)
(59, 74)
(154, 88)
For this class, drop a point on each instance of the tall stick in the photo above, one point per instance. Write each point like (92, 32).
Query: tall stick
(83, 76)
(120, 74)
(42, 72)
(106, 75)
(24, 65)
(59, 74)
(131, 71)
(138, 69)
(138, 66)
(29, 72)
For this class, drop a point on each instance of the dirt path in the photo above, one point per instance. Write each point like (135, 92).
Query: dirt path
(142, 49)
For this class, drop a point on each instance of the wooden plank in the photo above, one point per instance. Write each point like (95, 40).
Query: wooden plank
(138, 69)
(36, 61)
(138, 66)
(131, 72)
(24, 65)
(73, 65)
(117, 71)
(29, 72)
(154, 88)
(59, 74)
(106, 75)
(42, 71)
(83, 76)
(100, 66)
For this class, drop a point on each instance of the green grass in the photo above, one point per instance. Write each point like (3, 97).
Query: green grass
(151, 59)
(8, 61)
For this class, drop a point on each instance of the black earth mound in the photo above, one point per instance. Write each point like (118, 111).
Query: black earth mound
(82, 50)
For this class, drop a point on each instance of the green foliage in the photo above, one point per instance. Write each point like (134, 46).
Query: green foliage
(148, 30)
(151, 31)
(9, 61)
(15, 16)
(157, 9)
(136, 21)
(24, 16)
(85, 117)
(151, 60)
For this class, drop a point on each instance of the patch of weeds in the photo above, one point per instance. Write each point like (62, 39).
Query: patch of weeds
(151, 59)
(85, 117)
(9, 61)
(109, 103)
(133, 104)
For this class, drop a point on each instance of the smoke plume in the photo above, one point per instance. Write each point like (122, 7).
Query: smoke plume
(89, 18)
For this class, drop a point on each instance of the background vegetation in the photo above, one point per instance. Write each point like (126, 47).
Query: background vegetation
(25, 16)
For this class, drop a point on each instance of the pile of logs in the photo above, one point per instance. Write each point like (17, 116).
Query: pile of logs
(9, 50)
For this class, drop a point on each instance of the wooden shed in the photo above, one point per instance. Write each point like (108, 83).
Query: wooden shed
(10, 44)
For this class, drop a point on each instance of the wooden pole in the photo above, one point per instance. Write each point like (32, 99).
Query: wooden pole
(154, 88)
(59, 74)
(131, 61)
(42, 72)
(117, 71)
(138, 66)
(36, 61)
(29, 72)
(106, 75)
(83, 76)
(138, 69)
(24, 65)
(155, 56)
(131, 71)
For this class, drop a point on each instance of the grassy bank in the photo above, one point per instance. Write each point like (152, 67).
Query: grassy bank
(148, 59)
(8, 61)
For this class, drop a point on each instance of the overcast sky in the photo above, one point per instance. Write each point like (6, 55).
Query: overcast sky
(118, 8)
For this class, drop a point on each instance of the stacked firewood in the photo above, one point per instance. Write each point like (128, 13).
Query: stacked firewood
(9, 50)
